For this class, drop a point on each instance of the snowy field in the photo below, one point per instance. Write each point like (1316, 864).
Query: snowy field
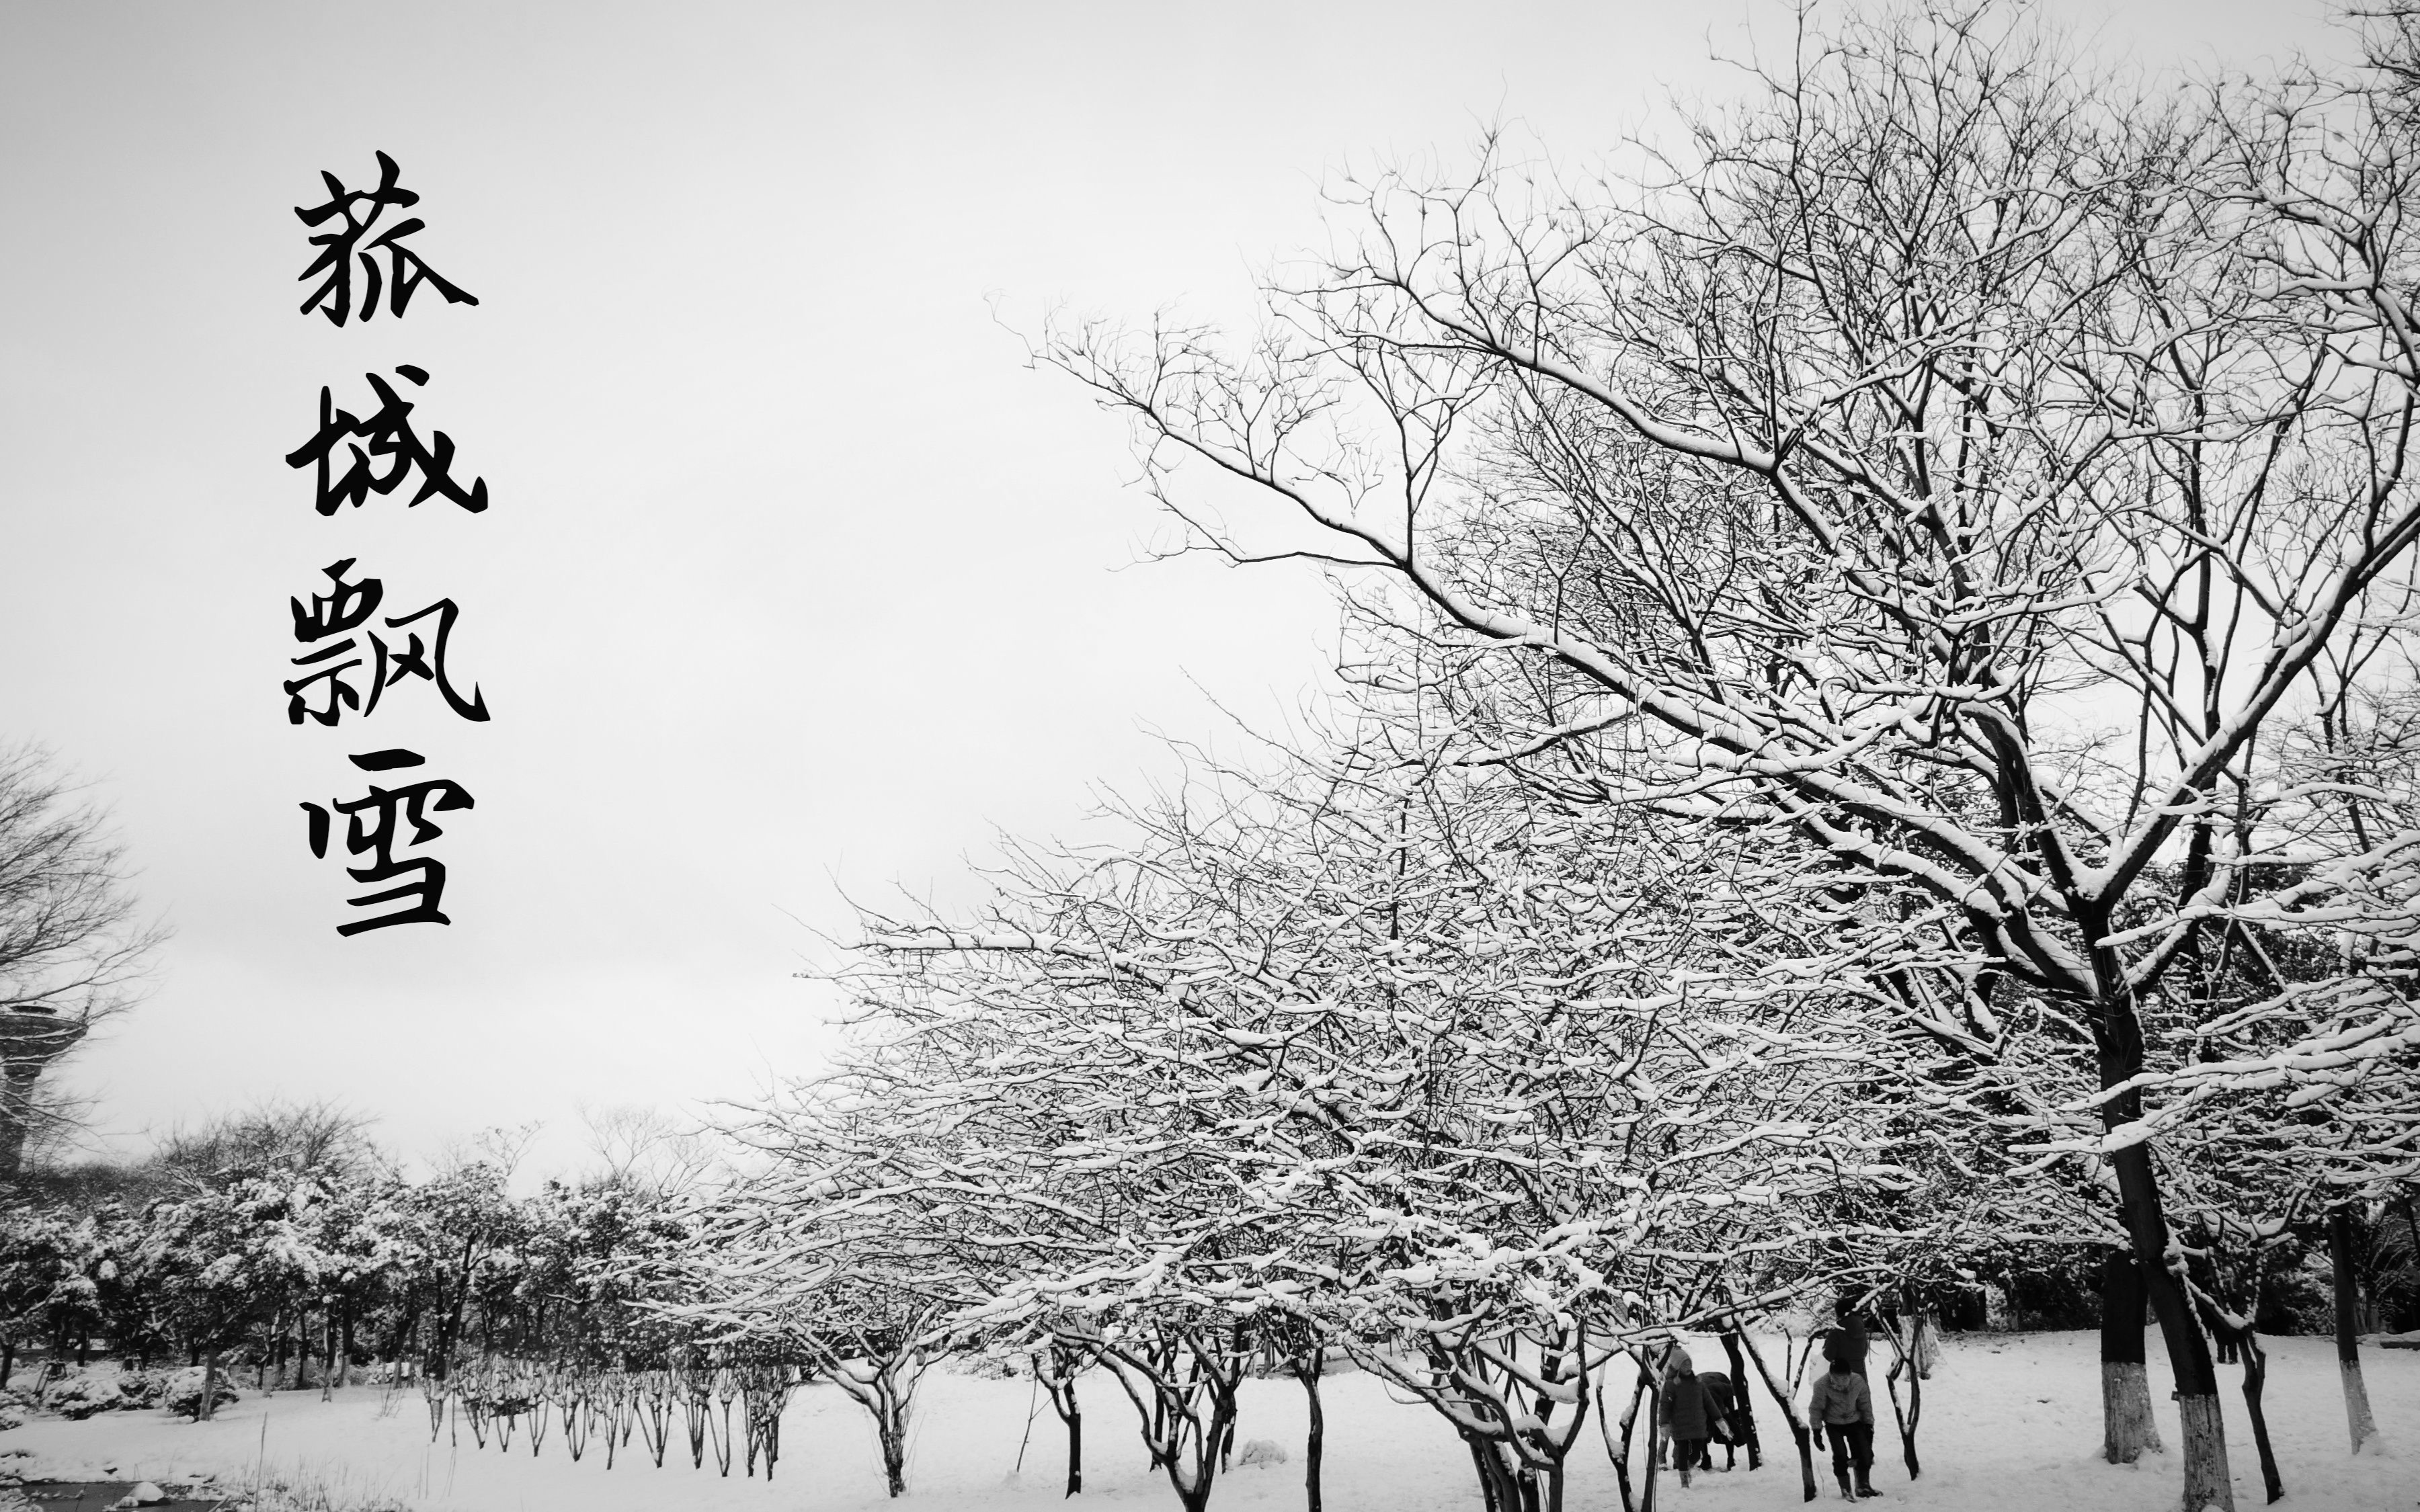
(2010, 1420)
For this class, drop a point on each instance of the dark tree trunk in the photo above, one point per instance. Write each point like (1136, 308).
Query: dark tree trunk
(1196, 1496)
(401, 1339)
(2358, 1420)
(894, 1459)
(1619, 1453)
(451, 1330)
(1789, 1409)
(1747, 1410)
(1060, 1383)
(1074, 1450)
(2117, 1033)
(2128, 1427)
(1315, 1441)
(2255, 1376)
(1909, 1419)
(1480, 1456)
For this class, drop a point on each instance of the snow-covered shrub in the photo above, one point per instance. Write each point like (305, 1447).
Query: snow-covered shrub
(183, 1394)
(142, 1388)
(83, 1393)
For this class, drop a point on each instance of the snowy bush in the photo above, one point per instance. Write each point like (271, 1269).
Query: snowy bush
(142, 1388)
(82, 1394)
(183, 1393)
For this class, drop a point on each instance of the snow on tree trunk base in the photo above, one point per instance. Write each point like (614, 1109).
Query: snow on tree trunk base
(2358, 1419)
(2207, 1484)
(2130, 1430)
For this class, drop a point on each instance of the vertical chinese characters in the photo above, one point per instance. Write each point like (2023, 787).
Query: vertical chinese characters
(351, 654)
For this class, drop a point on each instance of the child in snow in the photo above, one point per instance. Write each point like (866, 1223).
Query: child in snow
(1843, 1406)
(1685, 1411)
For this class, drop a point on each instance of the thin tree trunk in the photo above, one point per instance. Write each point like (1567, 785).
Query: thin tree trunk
(1745, 1408)
(1619, 1454)
(1315, 1443)
(209, 1403)
(1074, 1418)
(2255, 1376)
(450, 1330)
(1655, 1442)
(2128, 1427)
(2358, 1420)
(1905, 1420)
(1790, 1414)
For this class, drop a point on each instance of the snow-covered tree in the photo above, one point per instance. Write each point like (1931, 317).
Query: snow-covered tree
(1479, 1086)
(1959, 462)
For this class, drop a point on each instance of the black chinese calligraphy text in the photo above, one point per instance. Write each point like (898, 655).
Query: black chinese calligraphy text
(373, 828)
(350, 244)
(325, 690)
(390, 438)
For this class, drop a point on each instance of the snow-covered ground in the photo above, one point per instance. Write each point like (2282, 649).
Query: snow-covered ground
(2010, 1420)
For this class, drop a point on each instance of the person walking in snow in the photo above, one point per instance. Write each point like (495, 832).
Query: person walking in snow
(1842, 1405)
(1685, 1412)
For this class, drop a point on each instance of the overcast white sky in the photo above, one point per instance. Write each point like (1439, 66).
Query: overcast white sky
(795, 577)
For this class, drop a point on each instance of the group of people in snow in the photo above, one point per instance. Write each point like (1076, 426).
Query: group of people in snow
(1697, 1409)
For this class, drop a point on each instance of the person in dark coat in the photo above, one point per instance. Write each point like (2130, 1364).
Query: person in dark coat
(1685, 1413)
(1842, 1405)
(1846, 1342)
(1722, 1399)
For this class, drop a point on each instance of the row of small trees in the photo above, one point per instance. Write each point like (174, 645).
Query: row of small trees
(1488, 1092)
(283, 1242)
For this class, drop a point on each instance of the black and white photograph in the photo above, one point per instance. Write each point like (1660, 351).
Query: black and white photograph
(771, 756)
